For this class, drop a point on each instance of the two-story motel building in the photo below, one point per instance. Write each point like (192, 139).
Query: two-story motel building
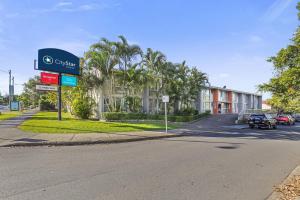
(222, 100)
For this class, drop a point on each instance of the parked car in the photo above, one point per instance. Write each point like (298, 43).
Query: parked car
(296, 117)
(262, 121)
(285, 119)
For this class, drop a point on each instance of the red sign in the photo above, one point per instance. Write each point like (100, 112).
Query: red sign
(48, 78)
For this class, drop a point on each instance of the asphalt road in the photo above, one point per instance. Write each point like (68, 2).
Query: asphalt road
(236, 164)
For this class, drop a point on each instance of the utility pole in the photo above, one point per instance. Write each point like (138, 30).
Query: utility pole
(13, 88)
(9, 88)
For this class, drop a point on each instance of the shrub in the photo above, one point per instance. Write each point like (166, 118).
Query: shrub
(82, 107)
(45, 105)
(121, 116)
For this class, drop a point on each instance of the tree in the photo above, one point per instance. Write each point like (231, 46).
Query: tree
(101, 60)
(285, 85)
(30, 96)
(126, 53)
(154, 62)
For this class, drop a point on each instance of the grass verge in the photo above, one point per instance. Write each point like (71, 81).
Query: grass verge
(8, 115)
(46, 122)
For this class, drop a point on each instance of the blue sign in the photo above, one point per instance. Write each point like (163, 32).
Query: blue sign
(57, 60)
(14, 106)
(69, 81)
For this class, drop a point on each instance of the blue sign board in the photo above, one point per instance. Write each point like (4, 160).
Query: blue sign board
(69, 81)
(57, 60)
(14, 106)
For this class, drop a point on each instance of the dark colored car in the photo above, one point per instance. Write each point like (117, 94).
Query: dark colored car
(262, 121)
(296, 117)
(285, 119)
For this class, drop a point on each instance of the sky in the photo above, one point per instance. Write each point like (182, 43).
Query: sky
(228, 40)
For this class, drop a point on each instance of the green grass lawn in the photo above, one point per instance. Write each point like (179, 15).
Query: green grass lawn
(8, 115)
(46, 122)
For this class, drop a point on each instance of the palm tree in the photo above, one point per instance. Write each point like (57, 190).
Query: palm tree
(126, 53)
(102, 60)
(154, 61)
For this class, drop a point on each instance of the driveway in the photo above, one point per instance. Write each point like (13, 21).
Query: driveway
(209, 164)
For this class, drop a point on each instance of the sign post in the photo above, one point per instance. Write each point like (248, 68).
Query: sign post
(62, 62)
(165, 99)
(59, 97)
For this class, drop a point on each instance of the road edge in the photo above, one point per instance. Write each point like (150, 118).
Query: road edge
(276, 195)
(79, 143)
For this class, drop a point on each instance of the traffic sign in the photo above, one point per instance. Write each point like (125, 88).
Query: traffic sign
(46, 87)
(165, 99)
(69, 81)
(57, 60)
(48, 78)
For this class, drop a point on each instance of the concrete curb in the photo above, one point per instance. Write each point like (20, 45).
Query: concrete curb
(276, 195)
(78, 143)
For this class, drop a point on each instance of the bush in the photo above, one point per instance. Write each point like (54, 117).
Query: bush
(121, 116)
(82, 107)
(45, 105)
(187, 112)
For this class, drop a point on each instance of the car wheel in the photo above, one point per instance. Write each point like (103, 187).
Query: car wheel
(275, 127)
(251, 126)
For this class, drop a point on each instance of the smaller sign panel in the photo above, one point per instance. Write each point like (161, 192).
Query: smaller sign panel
(165, 99)
(14, 106)
(69, 81)
(48, 78)
(46, 87)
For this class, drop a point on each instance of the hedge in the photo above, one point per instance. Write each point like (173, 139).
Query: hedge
(122, 116)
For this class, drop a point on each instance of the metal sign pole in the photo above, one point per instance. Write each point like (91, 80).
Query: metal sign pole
(59, 97)
(166, 117)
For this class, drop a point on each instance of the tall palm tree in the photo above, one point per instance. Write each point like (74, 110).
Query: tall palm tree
(126, 53)
(154, 61)
(102, 60)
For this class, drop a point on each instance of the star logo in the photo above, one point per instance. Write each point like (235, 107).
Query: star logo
(48, 60)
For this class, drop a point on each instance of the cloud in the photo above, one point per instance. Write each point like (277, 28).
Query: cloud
(64, 3)
(68, 6)
(276, 10)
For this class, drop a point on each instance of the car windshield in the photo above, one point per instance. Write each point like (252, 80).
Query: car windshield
(257, 116)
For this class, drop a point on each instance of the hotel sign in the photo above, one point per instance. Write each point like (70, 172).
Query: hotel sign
(57, 60)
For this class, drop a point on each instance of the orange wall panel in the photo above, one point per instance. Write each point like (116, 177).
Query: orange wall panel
(215, 94)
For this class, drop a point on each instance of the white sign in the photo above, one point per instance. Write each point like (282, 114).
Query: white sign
(165, 99)
(46, 87)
